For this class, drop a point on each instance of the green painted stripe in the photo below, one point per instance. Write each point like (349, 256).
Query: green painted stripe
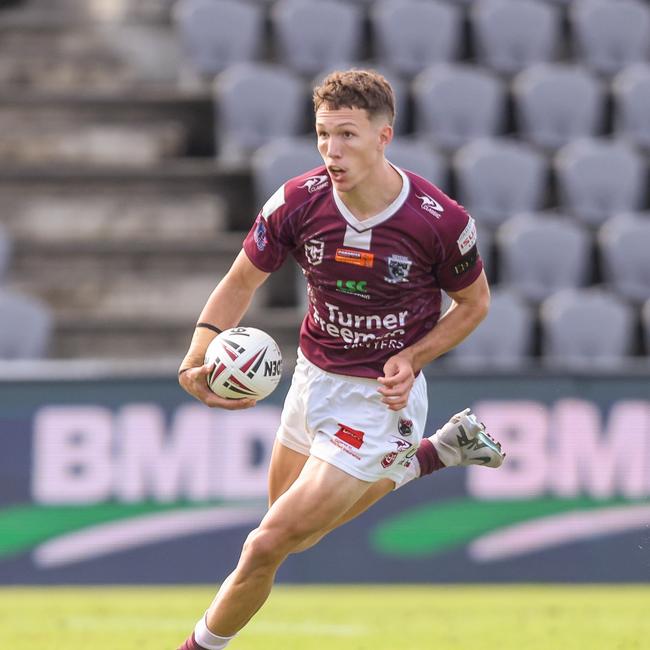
(23, 527)
(438, 527)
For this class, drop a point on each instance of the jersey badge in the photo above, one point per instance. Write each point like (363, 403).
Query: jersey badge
(431, 205)
(261, 239)
(467, 239)
(316, 183)
(358, 258)
(398, 269)
(314, 250)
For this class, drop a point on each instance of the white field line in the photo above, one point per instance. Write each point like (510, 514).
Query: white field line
(556, 530)
(103, 539)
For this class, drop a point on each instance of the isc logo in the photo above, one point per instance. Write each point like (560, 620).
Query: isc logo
(272, 368)
(352, 285)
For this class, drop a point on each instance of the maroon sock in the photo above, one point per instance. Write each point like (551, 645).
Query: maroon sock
(191, 644)
(428, 458)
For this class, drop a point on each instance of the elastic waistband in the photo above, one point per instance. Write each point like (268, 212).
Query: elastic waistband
(364, 381)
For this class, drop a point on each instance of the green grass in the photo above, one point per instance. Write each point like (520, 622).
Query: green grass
(341, 618)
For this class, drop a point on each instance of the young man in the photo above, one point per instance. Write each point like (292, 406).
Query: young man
(376, 244)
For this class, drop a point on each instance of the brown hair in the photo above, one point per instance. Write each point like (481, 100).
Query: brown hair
(364, 89)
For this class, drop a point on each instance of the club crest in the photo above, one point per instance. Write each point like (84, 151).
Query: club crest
(314, 250)
(398, 269)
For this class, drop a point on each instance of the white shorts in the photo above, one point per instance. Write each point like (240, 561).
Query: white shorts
(343, 421)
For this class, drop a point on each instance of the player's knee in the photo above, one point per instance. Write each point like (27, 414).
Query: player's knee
(264, 548)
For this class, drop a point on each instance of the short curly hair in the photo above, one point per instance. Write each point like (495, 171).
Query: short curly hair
(354, 88)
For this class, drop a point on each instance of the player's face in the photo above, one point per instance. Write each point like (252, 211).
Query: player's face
(351, 144)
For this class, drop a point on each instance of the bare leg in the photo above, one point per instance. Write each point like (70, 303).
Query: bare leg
(321, 495)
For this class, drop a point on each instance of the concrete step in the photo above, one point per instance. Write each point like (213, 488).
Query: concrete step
(120, 217)
(156, 338)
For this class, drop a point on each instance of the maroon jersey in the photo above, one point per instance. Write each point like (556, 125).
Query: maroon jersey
(373, 285)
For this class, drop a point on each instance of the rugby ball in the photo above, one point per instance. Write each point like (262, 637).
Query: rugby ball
(247, 363)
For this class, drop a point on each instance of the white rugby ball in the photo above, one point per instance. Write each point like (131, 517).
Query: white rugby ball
(247, 363)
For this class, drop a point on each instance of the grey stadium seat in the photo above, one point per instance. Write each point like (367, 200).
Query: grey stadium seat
(540, 254)
(598, 178)
(280, 160)
(555, 103)
(497, 178)
(311, 35)
(610, 35)
(5, 251)
(631, 90)
(420, 158)
(412, 34)
(586, 328)
(503, 340)
(25, 326)
(625, 250)
(256, 103)
(645, 320)
(456, 103)
(512, 34)
(217, 33)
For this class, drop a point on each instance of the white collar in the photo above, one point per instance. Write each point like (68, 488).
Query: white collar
(385, 214)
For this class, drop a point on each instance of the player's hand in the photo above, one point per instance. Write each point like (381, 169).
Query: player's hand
(195, 382)
(396, 383)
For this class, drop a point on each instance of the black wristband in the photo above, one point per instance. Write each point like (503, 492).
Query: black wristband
(209, 326)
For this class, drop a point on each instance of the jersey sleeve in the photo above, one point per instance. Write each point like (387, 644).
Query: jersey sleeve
(460, 263)
(271, 238)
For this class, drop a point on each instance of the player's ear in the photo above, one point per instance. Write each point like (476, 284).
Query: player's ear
(385, 134)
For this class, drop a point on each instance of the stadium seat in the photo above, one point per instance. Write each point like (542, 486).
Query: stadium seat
(512, 34)
(496, 178)
(5, 251)
(487, 347)
(540, 254)
(454, 104)
(256, 103)
(586, 328)
(609, 35)
(420, 158)
(313, 35)
(217, 33)
(625, 251)
(25, 326)
(409, 35)
(645, 321)
(278, 161)
(597, 178)
(631, 90)
(555, 103)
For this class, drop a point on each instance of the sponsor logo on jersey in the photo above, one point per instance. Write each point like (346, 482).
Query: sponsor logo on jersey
(260, 237)
(405, 427)
(467, 238)
(430, 205)
(466, 263)
(358, 258)
(398, 269)
(355, 287)
(352, 436)
(314, 250)
(316, 183)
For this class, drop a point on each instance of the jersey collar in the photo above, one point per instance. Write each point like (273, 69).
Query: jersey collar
(385, 214)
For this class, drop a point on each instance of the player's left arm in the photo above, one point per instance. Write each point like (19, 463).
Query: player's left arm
(469, 307)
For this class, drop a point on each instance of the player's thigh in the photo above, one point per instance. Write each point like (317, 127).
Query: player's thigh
(319, 496)
(286, 465)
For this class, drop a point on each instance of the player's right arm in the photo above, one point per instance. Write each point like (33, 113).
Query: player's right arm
(224, 309)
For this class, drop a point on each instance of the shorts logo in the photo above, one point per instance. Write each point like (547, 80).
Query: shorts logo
(350, 435)
(431, 205)
(358, 258)
(405, 427)
(467, 239)
(402, 445)
(315, 183)
(260, 237)
(314, 250)
(398, 269)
